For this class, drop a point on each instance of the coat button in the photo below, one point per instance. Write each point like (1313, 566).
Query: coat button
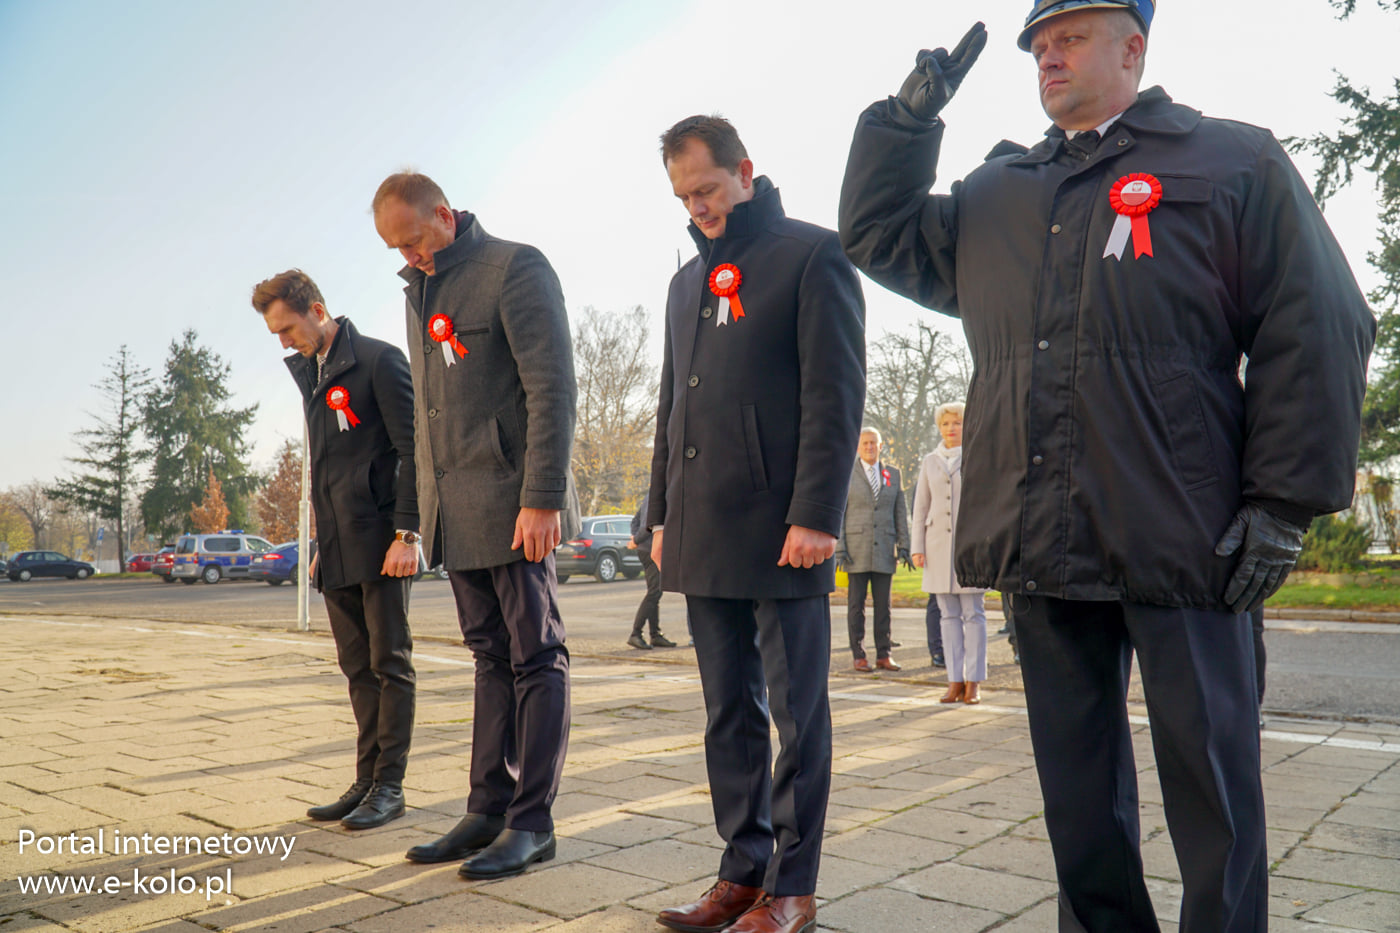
(432, 412)
(1054, 228)
(693, 381)
(1044, 345)
(439, 473)
(1030, 586)
(1122, 143)
(1037, 459)
(706, 311)
(427, 348)
(690, 453)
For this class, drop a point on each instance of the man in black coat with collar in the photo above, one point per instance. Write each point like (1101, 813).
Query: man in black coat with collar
(762, 388)
(359, 416)
(1125, 488)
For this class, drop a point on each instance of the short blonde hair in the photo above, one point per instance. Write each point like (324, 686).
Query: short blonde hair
(947, 408)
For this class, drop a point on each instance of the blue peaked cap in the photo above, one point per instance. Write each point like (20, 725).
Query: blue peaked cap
(1044, 9)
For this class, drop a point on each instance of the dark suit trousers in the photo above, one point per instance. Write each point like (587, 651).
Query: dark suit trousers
(755, 656)
(933, 624)
(650, 609)
(510, 620)
(375, 650)
(1198, 676)
(879, 584)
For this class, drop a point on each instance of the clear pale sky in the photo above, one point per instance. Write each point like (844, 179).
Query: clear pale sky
(161, 157)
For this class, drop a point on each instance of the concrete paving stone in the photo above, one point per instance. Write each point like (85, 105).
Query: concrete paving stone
(407, 883)
(57, 819)
(1159, 859)
(585, 805)
(842, 876)
(1334, 774)
(270, 874)
(694, 808)
(623, 829)
(1042, 917)
(1366, 871)
(877, 846)
(976, 887)
(1291, 897)
(616, 919)
(569, 890)
(113, 913)
(1344, 837)
(240, 792)
(882, 910)
(960, 765)
(605, 772)
(1354, 813)
(853, 814)
(107, 732)
(951, 826)
(383, 846)
(1366, 910)
(1376, 798)
(705, 835)
(887, 799)
(309, 910)
(867, 768)
(469, 911)
(1302, 819)
(1027, 857)
(1307, 926)
(43, 781)
(645, 787)
(28, 923)
(237, 816)
(983, 802)
(667, 860)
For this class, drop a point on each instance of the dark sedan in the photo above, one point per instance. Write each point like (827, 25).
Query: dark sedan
(26, 565)
(279, 565)
(600, 549)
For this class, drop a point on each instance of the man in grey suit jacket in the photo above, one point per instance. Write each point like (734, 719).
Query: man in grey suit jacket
(875, 532)
(494, 391)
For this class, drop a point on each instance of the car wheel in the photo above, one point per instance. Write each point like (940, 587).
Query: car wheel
(606, 571)
(82, 573)
(25, 576)
(188, 581)
(211, 574)
(631, 574)
(167, 579)
(275, 582)
(292, 574)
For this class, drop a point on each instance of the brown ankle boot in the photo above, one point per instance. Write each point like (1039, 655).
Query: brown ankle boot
(717, 908)
(955, 692)
(970, 696)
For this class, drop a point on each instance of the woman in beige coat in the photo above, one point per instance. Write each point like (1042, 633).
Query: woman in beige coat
(936, 500)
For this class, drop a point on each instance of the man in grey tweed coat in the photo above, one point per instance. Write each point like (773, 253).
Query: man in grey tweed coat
(494, 393)
(874, 534)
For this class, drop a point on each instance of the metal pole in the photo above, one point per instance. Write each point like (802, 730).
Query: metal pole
(304, 536)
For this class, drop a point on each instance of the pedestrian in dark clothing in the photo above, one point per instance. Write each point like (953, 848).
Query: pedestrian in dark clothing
(762, 387)
(649, 612)
(493, 379)
(359, 417)
(933, 628)
(1134, 495)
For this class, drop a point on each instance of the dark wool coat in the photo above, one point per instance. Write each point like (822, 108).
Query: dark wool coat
(875, 528)
(495, 429)
(1109, 439)
(363, 480)
(758, 418)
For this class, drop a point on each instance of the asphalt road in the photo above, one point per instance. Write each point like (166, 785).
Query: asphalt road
(1318, 669)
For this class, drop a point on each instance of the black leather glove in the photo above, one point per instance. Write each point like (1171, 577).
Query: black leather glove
(935, 77)
(1270, 549)
(904, 558)
(843, 560)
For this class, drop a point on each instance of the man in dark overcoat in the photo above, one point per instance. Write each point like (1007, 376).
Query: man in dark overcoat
(874, 535)
(1125, 488)
(359, 419)
(762, 388)
(493, 381)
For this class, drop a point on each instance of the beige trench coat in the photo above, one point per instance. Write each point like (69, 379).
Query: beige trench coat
(936, 500)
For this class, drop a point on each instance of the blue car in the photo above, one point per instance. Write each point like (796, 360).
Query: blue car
(279, 565)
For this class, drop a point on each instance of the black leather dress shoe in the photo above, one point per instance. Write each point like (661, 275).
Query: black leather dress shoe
(383, 803)
(347, 802)
(473, 833)
(513, 851)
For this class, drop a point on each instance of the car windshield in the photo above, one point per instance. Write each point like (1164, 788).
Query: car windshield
(258, 545)
(185, 546)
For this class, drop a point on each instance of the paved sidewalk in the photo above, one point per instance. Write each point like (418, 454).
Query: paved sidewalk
(225, 733)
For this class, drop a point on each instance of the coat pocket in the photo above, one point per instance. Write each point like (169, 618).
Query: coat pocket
(758, 473)
(1186, 430)
(501, 445)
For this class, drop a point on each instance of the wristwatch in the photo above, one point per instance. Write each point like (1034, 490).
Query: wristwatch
(408, 537)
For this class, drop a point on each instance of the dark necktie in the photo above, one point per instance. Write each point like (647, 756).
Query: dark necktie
(1083, 145)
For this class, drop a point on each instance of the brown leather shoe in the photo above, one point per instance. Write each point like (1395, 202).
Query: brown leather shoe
(954, 694)
(887, 664)
(779, 915)
(970, 696)
(863, 665)
(717, 908)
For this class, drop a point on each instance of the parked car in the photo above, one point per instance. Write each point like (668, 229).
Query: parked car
(212, 557)
(140, 563)
(163, 563)
(279, 565)
(29, 564)
(600, 549)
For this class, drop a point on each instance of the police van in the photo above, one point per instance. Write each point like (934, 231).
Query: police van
(213, 557)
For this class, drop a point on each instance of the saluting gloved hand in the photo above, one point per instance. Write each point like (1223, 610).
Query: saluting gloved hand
(935, 77)
(904, 558)
(1270, 549)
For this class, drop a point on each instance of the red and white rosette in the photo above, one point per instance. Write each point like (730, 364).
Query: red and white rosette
(1132, 198)
(440, 329)
(339, 402)
(724, 282)
(886, 475)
